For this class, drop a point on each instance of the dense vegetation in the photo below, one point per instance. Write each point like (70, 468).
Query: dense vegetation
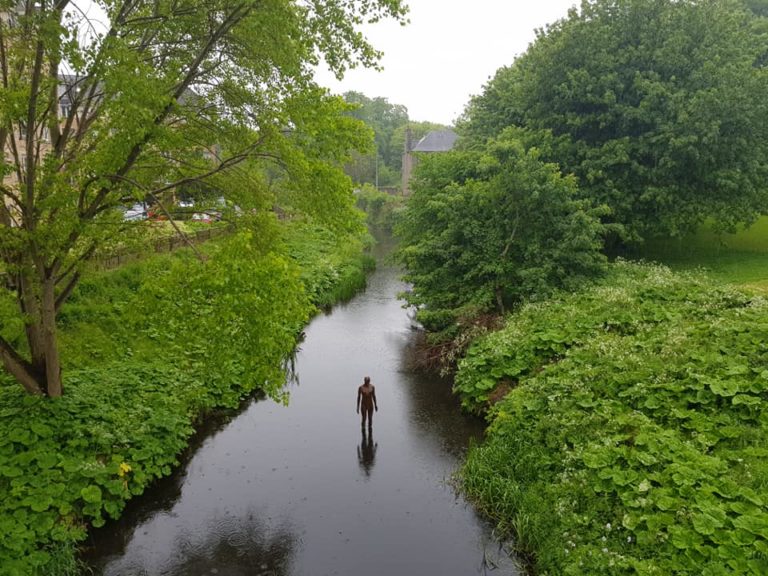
(381, 208)
(484, 230)
(657, 107)
(108, 103)
(632, 438)
(148, 350)
(382, 165)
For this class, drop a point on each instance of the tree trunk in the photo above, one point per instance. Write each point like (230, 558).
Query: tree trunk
(29, 301)
(37, 299)
(50, 347)
(500, 300)
(20, 369)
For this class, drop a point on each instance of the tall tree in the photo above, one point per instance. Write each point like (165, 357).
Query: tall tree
(94, 113)
(384, 119)
(658, 106)
(484, 230)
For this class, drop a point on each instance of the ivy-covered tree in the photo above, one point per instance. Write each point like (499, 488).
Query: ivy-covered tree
(96, 113)
(484, 230)
(659, 108)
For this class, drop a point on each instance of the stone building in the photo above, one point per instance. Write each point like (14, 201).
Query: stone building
(434, 142)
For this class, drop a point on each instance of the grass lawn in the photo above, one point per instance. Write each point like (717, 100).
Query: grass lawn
(740, 258)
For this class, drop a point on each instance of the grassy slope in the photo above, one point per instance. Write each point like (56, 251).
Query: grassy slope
(131, 402)
(740, 258)
(633, 438)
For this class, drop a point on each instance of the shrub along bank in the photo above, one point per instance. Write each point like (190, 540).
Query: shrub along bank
(632, 439)
(148, 349)
(380, 207)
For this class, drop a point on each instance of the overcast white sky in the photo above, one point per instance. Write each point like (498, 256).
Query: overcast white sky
(448, 52)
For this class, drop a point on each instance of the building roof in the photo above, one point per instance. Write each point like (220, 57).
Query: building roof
(437, 141)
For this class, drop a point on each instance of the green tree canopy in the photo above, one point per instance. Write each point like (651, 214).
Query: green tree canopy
(659, 108)
(380, 165)
(94, 114)
(483, 230)
(383, 118)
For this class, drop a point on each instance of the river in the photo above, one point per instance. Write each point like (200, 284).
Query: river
(302, 490)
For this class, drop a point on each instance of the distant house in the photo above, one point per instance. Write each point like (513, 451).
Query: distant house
(433, 142)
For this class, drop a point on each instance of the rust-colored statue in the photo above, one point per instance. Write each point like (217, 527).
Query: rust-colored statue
(366, 397)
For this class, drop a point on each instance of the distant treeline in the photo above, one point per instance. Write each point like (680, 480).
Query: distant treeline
(382, 165)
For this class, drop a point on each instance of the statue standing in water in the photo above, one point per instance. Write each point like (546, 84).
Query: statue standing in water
(366, 397)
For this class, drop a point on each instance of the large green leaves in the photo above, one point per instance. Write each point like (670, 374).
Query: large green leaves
(644, 429)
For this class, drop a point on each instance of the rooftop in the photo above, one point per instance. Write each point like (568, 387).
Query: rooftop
(437, 141)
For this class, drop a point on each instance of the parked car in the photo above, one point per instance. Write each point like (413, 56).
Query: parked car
(210, 216)
(136, 212)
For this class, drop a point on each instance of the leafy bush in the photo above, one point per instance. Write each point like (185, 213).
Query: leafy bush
(488, 230)
(333, 268)
(633, 296)
(74, 462)
(633, 438)
(381, 208)
(232, 319)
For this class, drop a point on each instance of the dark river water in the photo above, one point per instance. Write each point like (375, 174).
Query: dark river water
(301, 490)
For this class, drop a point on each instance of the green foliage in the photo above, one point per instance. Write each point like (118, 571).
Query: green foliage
(149, 348)
(383, 119)
(333, 268)
(656, 106)
(381, 209)
(633, 438)
(483, 231)
(232, 319)
(314, 184)
(60, 461)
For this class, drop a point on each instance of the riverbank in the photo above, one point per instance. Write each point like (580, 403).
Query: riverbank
(148, 349)
(632, 431)
(301, 489)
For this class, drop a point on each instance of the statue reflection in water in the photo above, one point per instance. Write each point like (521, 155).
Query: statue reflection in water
(366, 452)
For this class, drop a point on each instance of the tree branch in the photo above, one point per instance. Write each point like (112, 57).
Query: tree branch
(20, 368)
(67, 291)
(29, 199)
(231, 20)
